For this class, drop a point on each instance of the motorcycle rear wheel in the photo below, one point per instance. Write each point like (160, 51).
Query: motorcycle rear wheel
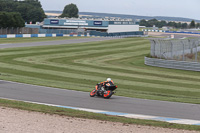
(93, 93)
(108, 94)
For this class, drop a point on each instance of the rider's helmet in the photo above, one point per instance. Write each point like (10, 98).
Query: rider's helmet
(108, 79)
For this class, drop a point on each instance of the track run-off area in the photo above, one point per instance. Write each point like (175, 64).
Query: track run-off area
(80, 66)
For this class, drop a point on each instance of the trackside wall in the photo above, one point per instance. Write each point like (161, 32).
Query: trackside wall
(122, 28)
(183, 65)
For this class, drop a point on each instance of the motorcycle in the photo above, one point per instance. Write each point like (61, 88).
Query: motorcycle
(103, 91)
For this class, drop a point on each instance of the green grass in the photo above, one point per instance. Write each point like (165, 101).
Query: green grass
(36, 39)
(87, 115)
(81, 66)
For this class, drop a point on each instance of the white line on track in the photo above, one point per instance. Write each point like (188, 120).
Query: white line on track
(134, 116)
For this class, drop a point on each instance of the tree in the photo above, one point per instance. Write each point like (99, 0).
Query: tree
(172, 24)
(30, 10)
(184, 25)
(70, 11)
(161, 24)
(178, 25)
(192, 24)
(198, 25)
(143, 22)
(153, 22)
(11, 19)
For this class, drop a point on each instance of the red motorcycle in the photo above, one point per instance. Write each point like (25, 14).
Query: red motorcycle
(104, 91)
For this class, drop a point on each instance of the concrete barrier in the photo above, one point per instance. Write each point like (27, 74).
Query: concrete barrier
(183, 65)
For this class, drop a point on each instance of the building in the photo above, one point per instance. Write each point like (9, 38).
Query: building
(103, 25)
(88, 26)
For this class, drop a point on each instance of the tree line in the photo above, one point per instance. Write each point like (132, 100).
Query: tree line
(12, 19)
(19, 12)
(162, 23)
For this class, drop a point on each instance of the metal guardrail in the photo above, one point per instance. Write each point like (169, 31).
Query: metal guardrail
(174, 64)
(56, 35)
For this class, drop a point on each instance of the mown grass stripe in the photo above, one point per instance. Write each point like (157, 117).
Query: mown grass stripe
(120, 75)
(139, 75)
(91, 78)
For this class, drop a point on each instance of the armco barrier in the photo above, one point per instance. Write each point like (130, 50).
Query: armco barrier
(3, 36)
(30, 35)
(26, 35)
(183, 65)
(180, 32)
(153, 30)
(34, 35)
(18, 35)
(61, 35)
(48, 35)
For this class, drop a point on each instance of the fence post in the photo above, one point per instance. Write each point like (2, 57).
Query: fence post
(160, 49)
(171, 50)
(153, 52)
(196, 54)
(183, 51)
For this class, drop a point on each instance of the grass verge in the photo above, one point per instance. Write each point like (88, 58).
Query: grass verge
(87, 115)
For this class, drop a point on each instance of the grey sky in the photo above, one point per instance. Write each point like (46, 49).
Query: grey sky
(172, 8)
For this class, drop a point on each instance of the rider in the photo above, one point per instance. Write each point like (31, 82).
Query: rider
(103, 84)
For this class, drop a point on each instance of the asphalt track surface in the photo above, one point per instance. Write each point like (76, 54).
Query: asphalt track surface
(25, 92)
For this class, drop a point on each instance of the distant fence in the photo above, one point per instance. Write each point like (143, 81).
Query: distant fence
(177, 54)
(176, 49)
(180, 32)
(134, 33)
(23, 30)
(62, 31)
(26, 30)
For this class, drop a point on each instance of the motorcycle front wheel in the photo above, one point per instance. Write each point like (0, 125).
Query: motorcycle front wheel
(108, 94)
(93, 93)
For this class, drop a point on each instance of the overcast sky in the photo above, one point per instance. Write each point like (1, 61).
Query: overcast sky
(172, 8)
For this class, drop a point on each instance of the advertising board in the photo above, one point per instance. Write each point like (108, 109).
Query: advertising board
(54, 21)
(97, 22)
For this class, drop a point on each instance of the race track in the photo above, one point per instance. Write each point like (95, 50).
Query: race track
(19, 91)
(63, 97)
